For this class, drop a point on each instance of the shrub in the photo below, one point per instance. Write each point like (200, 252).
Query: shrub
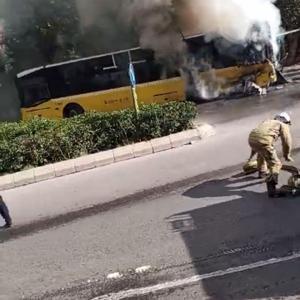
(39, 141)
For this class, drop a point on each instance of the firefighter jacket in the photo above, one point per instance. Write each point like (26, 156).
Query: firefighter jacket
(268, 132)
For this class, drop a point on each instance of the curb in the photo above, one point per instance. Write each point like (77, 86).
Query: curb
(105, 158)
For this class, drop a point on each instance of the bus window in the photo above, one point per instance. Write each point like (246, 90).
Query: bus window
(58, 83)
(105, 62)
(151, 71)
(119, 78)
(101, 81)
(122, 60)
(35, 90)
(147, 72)
(101, 63)
(140, 55)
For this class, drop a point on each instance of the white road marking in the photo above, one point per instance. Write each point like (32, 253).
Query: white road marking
(194, 279)
(116, 275)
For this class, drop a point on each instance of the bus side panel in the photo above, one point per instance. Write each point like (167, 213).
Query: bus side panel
(47, 110)
(264, 73)
(162, 91)
(106, 101)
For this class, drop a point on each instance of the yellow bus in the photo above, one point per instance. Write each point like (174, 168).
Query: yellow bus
(221, 67)
(99, 83)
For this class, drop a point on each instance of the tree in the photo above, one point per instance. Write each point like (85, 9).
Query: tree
(105, 27)
(41, 31)
(290, 12)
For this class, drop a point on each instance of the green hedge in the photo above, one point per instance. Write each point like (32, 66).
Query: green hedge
(39, 141)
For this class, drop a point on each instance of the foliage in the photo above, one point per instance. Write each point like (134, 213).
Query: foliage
(40, 31)
(39, 141)
(290, 11)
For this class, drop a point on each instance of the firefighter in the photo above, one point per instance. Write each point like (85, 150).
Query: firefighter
(5, 214)
(262, 140)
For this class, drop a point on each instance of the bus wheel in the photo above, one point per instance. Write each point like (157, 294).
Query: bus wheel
(72, 110)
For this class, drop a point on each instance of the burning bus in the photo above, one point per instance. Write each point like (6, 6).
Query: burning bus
(211, 68)
(218, 67)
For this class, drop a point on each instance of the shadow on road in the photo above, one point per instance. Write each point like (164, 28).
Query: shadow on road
(241, 226)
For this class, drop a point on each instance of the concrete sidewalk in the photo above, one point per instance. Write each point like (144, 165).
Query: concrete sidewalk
(104, 158)
(79, 191)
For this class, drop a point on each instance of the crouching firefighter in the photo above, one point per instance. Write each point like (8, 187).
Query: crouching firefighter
(262, 140)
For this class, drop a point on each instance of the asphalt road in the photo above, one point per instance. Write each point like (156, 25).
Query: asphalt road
(224, 232)
(101, 186)
(226, 110)
(195, 230)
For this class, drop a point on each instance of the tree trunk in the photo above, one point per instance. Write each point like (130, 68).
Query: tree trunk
(293, 42)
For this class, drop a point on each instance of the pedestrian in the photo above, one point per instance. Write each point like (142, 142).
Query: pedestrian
(262, 140)
(4, 212)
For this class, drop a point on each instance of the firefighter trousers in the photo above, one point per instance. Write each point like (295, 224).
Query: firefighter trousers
(267, 158)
